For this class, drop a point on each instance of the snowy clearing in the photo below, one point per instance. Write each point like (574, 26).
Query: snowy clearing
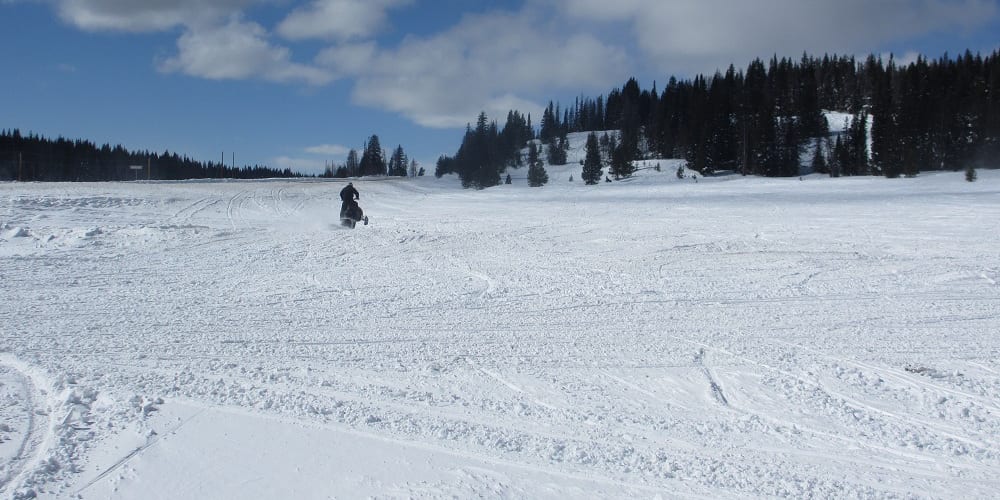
(723, 337)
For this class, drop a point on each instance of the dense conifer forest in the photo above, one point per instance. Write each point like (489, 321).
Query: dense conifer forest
(770, 120)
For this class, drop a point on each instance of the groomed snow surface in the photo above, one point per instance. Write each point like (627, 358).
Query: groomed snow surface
(727, 337)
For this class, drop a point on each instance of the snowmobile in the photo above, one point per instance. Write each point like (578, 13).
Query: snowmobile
(353, 214)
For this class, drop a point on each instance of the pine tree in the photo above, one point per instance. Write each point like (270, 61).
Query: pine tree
(445, 165)
(838, 159)
(557, 150)
(397, 163)
(592, 162)
(970, 174)
(352, 166)
(550, 124)
(621, 158)
(858, 145)
(537, 176)
(533, 153)
(886, 158)
(819, 159)
(373, 159)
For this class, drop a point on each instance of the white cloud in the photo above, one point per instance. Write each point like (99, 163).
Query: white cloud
(337, 19)
(146, 15)
(216, 44)
(490, 63)
(329, 150)
(348, 58)
(690, 36)
(238, 50)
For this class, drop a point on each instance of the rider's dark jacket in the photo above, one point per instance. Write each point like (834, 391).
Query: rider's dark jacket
(348, 194)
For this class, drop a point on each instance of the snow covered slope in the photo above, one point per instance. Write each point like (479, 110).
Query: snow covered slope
(730, 337)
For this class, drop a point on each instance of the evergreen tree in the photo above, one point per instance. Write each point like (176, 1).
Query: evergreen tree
(621, 159)
(605, 145)
(819, 159)
(836, 163)
(858, 145)
(515, 134)
(886, 158)
(537, 176)
(557, 150)
(592, 161)
(398, 162)
(373, 159)
(550, 124)
(353, 165)
(445, 165)
(533, 154)
(479, 160)
(970, 174)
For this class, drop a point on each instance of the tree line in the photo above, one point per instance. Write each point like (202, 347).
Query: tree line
(903, 119)
(34, 158)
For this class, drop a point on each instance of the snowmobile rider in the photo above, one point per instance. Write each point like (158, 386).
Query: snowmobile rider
(348, 195)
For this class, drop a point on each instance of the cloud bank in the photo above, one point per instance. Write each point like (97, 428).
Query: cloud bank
(689, 36)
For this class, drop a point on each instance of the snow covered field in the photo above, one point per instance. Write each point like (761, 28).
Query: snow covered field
(730, 337)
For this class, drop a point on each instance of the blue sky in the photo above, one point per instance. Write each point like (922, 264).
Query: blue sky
(290, 83)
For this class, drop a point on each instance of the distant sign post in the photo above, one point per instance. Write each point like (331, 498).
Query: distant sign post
(137, 168)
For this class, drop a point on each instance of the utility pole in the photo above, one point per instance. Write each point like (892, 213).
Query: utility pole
(149, 168)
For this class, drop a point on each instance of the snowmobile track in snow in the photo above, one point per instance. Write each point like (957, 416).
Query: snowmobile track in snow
(30, 427)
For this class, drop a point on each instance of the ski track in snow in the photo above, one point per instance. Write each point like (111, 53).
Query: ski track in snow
(731, 338)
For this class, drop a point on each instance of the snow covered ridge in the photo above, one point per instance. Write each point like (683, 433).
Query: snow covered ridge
(730, 337)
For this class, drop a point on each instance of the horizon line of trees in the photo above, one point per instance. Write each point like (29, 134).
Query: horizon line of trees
(35, 158)
(941, 114)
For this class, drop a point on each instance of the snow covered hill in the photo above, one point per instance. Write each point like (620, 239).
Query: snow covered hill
(730, 337)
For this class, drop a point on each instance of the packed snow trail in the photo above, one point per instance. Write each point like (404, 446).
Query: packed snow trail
(728, 338)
